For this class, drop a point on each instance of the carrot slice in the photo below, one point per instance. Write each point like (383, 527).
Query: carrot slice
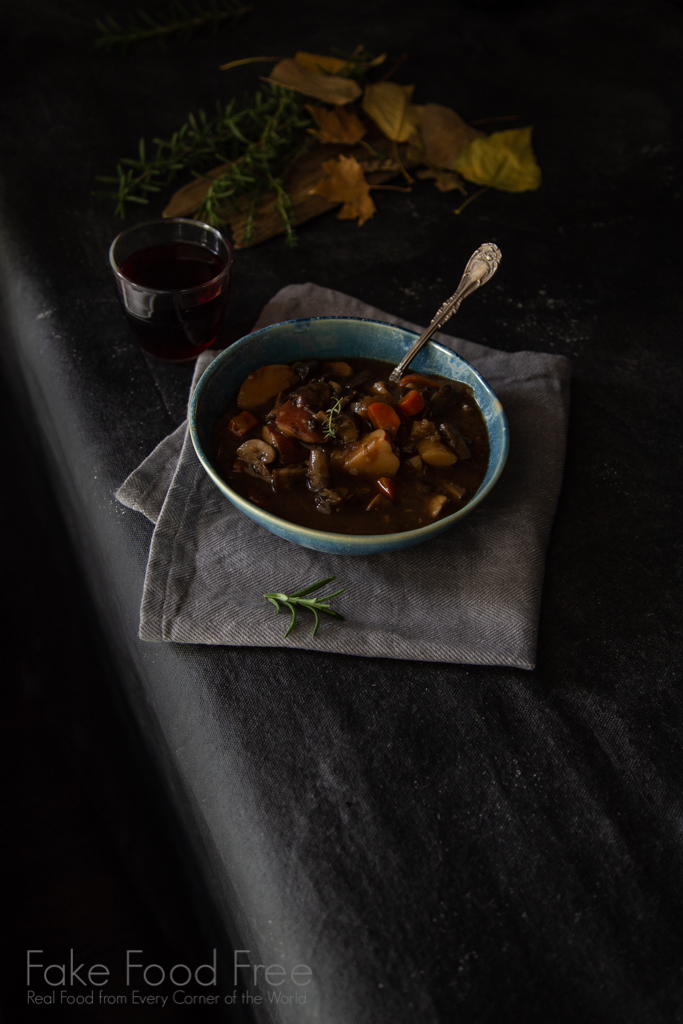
(242, 424)
(412, 403)
(383, 417)
(420, 379)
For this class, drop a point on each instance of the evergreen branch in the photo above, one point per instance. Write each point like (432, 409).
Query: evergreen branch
(264, 162)
(314, 605)
(182, 20)
(260, 141)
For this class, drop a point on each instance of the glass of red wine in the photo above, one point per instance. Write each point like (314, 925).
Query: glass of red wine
(173, 278)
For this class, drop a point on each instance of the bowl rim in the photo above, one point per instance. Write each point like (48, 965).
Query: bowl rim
(360, 540)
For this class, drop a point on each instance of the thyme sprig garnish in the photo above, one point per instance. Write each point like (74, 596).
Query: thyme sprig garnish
(315, 605)
(333, 411)
(261, 140)
(182, 20)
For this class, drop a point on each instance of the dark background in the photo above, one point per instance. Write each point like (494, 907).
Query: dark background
(592, 270)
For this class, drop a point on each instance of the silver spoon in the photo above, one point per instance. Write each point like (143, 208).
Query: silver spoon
(480, 268)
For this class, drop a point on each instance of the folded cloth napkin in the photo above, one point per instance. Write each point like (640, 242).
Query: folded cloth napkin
(471, 595)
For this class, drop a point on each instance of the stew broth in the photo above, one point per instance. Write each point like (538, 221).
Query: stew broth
(333, 445)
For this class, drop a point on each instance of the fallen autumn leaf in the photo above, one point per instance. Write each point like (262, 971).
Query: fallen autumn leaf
(444, 135)
(345, 183)
(329, 88)
(389, 106)
(338, 125)
(504, 160)
(320, 62)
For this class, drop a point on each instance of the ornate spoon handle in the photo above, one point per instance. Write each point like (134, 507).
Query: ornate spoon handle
(480, 268)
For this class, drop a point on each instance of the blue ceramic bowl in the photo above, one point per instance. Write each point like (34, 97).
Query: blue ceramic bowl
(337, 337)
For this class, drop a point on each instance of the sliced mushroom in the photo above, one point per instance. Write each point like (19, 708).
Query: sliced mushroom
(381, 389)
(314, 396)
(345, 428)
(305, 367)
(360, 408)
(326, 500)
(257, 455)
(318, 470)
(455, 440)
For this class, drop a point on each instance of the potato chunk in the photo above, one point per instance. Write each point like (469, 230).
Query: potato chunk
(372, 456)
(264, 384)
(435, 453)
(435, 505)
(339, 369)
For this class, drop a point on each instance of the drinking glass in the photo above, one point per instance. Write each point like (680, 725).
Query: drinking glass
(173, 278)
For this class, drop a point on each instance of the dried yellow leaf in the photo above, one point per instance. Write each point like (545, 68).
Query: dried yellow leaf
(345, 183)
(504, 160)
(329, 88)
(319, 62)
(444, 135)
(389, 106)
(445, 181)
(338, 125)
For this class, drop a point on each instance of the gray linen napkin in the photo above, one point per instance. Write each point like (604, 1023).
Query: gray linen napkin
(471, 595)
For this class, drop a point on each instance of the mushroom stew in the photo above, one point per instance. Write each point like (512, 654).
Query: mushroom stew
(335, 446)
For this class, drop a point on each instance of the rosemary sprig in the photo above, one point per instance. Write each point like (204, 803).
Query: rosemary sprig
(315, 605)
(182, 20)
(261, 140)
(275, 135)
(333, 411)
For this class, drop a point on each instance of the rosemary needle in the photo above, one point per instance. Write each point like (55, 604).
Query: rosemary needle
(315, 605)
(180, 19)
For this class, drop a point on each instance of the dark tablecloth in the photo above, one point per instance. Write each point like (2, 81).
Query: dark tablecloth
(436, 842)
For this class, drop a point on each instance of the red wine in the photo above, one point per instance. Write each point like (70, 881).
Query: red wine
(177, 330)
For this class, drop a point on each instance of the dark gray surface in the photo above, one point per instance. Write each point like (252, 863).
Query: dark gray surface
(436, 842)
(88, 857)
